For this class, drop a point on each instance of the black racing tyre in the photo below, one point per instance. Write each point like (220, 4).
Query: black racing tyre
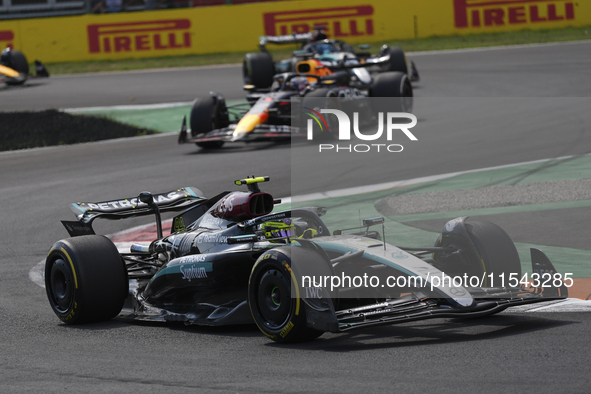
(391, 84)
(18, 62)
(258, 69)
(278, 315)
(332, 123)
(497, 254)
(85, 279)
(397, 61)
(396, 85)
(207, 114)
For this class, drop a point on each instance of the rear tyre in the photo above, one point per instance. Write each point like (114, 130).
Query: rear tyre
(85, 279)
(208, 113)
(18, 62)
(396, 85)
(397, 61)
(258, 69)
(278, 314)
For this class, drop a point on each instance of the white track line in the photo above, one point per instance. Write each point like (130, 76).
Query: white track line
(391, 185)
(151, 70)
(128, 106)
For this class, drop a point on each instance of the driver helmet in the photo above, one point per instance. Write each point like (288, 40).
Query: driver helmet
(325, 48)
(299, 83)
(277, 231)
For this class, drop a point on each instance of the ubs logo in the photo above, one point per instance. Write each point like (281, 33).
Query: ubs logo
(139, 36)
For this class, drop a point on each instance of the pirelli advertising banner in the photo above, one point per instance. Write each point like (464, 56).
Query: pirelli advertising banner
(236, 28)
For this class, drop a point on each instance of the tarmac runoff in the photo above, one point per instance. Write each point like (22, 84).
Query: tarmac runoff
(542, 191)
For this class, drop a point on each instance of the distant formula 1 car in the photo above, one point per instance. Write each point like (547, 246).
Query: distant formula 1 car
(258, 67)
(267, 113)
(14, 68)
(230, 260)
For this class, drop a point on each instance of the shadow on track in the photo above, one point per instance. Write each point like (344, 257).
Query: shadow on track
(8, 88)
(430, 333)
(242, 147)
(237, 331)
(433, 332)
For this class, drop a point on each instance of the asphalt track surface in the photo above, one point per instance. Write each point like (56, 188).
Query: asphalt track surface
(510, 352)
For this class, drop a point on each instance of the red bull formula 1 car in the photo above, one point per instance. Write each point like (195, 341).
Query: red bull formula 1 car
(230, 259)
(267, 113)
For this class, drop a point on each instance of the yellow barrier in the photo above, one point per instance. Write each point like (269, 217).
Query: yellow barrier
(235, 28)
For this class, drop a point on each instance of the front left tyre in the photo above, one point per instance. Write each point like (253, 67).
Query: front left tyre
(208, 113)
(396, 61)
(277, 312)
(18, 62)
(85, 279)
(497, 258)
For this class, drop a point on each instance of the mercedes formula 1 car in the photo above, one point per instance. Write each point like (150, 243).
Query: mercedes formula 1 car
(267, 114)
(230, 259)
(258, 68)
(14, 68)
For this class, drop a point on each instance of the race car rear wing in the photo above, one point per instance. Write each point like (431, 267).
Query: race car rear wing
(175, 200)
(303, 38)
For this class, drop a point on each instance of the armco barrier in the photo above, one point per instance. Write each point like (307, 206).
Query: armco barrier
(235, 28)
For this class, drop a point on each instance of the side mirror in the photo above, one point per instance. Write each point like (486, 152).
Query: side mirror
(146, 198)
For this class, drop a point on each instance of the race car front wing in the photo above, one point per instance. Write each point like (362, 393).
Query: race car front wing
(262, 132)
(321, 314)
